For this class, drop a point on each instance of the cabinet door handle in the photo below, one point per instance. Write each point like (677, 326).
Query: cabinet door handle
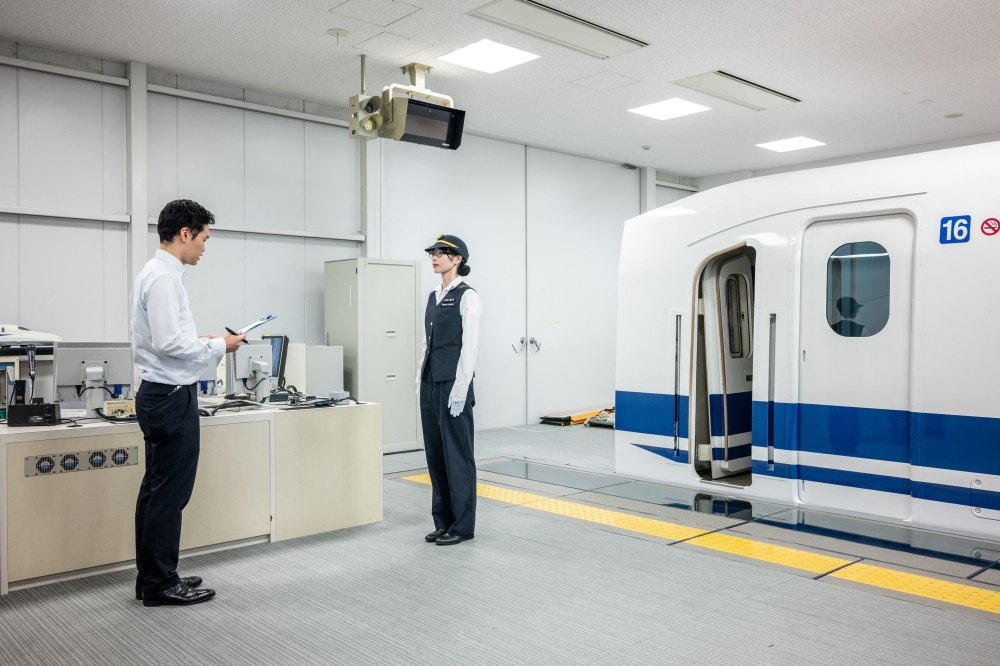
(516, 350)
(538, 346)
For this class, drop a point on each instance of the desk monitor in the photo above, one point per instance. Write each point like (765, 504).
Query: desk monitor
(72, 360)
(279, 354)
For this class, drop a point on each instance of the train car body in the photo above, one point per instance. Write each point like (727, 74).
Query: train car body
(823, 338)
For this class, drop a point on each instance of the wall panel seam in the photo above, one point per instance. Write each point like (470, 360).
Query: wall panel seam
(63, 71)
(246, 106)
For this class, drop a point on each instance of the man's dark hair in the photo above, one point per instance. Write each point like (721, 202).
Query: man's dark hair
(179, 214)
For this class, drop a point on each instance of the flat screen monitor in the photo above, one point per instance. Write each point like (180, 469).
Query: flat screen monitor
(279, 354)
(433, 125)
(72, 358)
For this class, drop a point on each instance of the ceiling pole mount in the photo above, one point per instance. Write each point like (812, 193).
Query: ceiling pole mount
(417, 74)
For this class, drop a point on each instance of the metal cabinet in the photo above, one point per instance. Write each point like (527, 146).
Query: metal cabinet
(373, 309)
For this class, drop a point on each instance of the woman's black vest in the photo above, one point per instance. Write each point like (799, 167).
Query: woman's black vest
(443, 329)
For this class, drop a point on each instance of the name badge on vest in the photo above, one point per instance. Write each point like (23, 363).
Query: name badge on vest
(448, 302)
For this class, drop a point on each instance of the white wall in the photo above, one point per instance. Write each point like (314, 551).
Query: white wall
(668, 195)
(576, 212)
(62, 148)
(478, 194)
(258, 171)
(544, 232)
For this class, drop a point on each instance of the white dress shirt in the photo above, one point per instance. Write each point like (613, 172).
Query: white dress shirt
(471, 310)
(165, 347)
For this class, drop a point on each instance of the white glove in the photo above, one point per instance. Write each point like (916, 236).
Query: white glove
(456, 405)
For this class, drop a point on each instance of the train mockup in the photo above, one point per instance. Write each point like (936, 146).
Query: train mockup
(827, 338)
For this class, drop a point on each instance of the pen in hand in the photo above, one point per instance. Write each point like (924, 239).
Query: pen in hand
(232, 332)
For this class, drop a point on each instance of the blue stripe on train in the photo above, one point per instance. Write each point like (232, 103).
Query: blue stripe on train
(740, 413)
(942, 441)
(650, 413)
(935, 492)
(678, 456)
(735, 452)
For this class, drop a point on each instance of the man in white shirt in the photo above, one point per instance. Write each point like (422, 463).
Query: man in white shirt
(444, 388)
(170, 358)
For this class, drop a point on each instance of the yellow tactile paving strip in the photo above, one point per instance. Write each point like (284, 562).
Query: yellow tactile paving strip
(618, 519)
(767, 552)
(922, 586)
(867, 574)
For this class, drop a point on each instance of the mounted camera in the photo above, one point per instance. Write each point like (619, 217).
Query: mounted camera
(396, 115)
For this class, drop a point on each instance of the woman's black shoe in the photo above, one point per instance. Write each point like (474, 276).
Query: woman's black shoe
(434, 536)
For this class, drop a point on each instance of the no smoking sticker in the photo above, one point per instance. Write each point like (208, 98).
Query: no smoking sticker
(991, 226)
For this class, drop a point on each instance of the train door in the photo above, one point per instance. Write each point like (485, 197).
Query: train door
(854, 364)
(727, 286)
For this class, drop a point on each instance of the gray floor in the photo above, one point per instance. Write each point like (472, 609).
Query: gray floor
(577, 446)
(532, 588)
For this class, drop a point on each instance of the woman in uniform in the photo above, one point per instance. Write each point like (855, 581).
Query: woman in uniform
(444, 389)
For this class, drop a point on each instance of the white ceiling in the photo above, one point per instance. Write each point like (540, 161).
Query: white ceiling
(864, 69)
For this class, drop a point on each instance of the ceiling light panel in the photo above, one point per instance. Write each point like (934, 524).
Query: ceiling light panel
(736, 90)
(669, 108)
(785, 145)
(552, 25)
(487, 56)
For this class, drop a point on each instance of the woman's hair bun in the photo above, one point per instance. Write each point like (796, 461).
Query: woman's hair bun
(464, 269)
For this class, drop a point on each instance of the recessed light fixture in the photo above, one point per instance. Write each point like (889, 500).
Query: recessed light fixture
(487, 56)
(669, 108)
(736, 90)
(539, 20)
(785, 145)
(671, 212)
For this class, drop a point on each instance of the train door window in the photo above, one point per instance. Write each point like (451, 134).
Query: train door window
(857, 289)
(738, 316)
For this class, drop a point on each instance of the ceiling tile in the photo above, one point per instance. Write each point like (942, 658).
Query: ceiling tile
(379, 12)
(605, 81)
(391, 46)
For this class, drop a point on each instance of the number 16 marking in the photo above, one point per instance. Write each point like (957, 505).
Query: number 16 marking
(955, 229)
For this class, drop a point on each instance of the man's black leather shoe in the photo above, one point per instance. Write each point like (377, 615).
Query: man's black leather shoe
(447, 539)
(179, 595)
(435, 535)
(190, 581)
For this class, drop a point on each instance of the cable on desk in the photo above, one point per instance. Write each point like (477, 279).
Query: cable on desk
(232, 404)
(131, 418)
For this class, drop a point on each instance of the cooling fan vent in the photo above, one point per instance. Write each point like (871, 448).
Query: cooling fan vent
(81, 461)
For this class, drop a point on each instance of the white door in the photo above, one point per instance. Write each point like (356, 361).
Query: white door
(727, 287)
(575, 213)
(854, 364)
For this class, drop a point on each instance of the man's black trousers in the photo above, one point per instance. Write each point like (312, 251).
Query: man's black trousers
(448, 443)
(168, 417)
